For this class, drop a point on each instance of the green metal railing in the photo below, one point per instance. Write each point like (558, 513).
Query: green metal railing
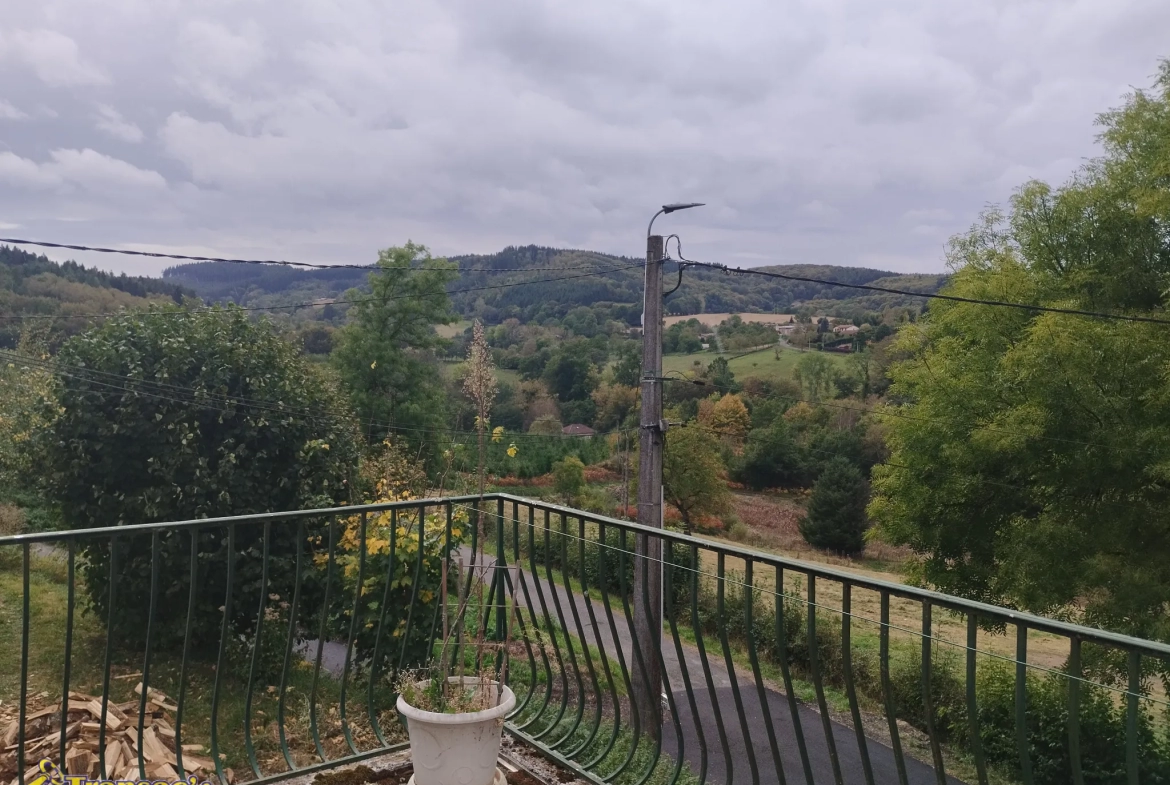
(279, 638)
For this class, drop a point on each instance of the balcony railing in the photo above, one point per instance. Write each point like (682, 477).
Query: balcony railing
(279, 637)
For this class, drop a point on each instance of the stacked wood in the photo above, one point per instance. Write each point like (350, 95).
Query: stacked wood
(83, 740)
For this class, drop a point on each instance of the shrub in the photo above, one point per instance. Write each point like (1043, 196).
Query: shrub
(569, 478)
(836, 511)
(131, 454)
(391, 581)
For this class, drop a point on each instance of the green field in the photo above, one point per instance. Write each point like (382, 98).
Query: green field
(503, 375)
(452, 329)
(762, 363)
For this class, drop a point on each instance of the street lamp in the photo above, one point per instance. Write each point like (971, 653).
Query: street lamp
(670, 208)
(648, 614)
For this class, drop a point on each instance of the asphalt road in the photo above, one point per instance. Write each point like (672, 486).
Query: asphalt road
(703, 737)
(703, 746)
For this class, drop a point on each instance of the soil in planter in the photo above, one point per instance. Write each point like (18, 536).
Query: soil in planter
(361, 775)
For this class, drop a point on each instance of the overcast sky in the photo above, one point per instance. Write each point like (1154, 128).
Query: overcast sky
(851, 132)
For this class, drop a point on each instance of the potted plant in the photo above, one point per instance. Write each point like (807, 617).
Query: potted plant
(455, 719)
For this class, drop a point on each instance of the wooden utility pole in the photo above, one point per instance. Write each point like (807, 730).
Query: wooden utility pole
(648, 564)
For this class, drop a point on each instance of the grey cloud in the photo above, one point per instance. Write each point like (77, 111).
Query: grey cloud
(10, 112)
(841, 131)
(110, 121)
(53, 57)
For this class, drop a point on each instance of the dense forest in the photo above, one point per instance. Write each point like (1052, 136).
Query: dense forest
(32, 284)
(558, 281)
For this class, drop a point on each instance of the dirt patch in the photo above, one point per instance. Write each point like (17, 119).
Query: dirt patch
(773, 522)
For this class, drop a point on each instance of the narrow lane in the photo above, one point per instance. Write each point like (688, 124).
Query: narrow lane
(602, 636)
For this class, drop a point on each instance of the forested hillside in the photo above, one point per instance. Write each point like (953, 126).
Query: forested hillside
(32, 284)
(568, 279)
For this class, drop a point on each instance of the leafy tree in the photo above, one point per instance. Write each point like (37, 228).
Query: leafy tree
(771, 459)
(569, 375)
(720, 376)
(730, 416)
(226, 435)
(317, 338)
(546, 425)
(814, 373)
(583, 411)
(569, 478)
(615, 403)
(863, 368)
(683, 337)
(627, 369)
(836, 510)
(28, 406)
(1032, 471)
(693, 475)
(384, 356)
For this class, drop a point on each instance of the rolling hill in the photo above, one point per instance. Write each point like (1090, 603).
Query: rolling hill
(35, 285)
(562, 280)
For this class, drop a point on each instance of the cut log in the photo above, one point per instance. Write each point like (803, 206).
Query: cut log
(113, 755)
(194, 762)
(78, 761)
(153, 749)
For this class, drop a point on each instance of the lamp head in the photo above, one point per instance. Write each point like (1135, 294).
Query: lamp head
(670, 208)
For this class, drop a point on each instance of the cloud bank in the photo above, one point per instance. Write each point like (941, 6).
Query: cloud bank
(836, 132)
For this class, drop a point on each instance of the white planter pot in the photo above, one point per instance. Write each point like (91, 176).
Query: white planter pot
(456, 749)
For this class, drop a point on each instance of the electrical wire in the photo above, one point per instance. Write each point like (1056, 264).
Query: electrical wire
(264, 262)
(781, 595)
(907, 293)
(167, 392)
(896, 414)
(295, 306)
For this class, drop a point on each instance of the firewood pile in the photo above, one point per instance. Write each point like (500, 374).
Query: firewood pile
(42, 739)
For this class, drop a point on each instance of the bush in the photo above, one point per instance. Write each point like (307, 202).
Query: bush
(406, 628)
(569, 478)
(836, 511)
(130, 454)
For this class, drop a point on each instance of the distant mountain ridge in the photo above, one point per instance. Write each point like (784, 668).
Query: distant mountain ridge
(617, 286)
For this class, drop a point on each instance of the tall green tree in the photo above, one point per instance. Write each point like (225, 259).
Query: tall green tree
(771, 459)
(1031, 464)
(836, 518)
(570, 375)
(386, 357)
(627, 368)
(814, 373)
(167, 415)
(693, 475)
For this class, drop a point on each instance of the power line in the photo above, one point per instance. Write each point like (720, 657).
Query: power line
(265, 262)
(294, 306)
(158, 390)
(907, 293)
(900, 415)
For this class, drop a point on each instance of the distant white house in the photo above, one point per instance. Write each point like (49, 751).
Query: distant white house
(846, 329)
(786, 329)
